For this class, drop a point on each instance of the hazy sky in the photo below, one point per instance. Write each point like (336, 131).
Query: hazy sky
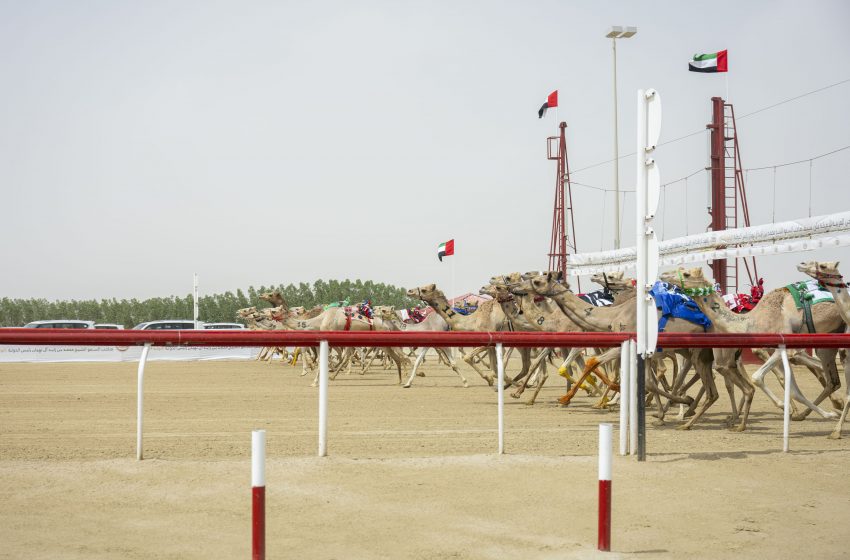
(264, 143)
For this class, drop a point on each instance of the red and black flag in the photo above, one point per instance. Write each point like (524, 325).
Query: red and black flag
(551, 101)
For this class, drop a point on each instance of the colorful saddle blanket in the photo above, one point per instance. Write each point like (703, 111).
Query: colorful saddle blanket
(599, 298)
(465, 309)
(672, 302)
(810, 291)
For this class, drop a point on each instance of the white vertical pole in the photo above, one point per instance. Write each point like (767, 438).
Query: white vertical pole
(140, 400)
(625, 355)
(500, 380)
(195, 300)
(258, 458)
(786, 408)
(605, 460)
(323, 398)
(633, 397)
(616, 156)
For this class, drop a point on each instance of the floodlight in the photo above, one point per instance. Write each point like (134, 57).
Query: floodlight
(629, 31)
(614, 32)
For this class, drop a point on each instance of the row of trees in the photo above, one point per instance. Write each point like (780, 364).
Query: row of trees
(212, 308)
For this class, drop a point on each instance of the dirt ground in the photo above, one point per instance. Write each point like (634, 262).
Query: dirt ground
(412, 473)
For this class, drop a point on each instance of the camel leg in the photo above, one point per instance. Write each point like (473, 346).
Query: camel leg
(830, 379)
(589, 367)
(449, 360)
(836, 432)
(705, 374)
(543, 376)
(526, 376)
(470, 359)
(748, 393)
(419, 358)
(758, 378)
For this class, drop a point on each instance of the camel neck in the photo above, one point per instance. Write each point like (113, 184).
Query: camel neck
(722, 318)
(583, 314)
(441, 306)
(838, 289)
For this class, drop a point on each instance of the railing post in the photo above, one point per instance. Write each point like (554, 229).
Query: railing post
(140, 400)
(786, 408)
(323, 398)
(625, 361)
(500, 381)
(633, 397)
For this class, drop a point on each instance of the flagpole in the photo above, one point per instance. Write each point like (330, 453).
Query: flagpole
(726, 77)
(453, 281)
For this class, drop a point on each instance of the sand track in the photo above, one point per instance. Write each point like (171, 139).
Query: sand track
(411, 474)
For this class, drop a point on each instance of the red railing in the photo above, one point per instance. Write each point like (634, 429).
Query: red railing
(72, 337)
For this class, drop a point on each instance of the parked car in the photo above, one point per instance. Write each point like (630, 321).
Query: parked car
(223, 326)
(168, 325)
(108, 326)
(60, 324)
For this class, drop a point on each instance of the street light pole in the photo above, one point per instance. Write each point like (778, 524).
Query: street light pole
(617, 32)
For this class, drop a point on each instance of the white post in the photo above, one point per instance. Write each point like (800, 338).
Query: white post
(625, 361)
(323, 398)
(500, 380)
(604, 531)
(195, 300)
(633, 397)
(258, 458)
(140, 400)
(786, 408)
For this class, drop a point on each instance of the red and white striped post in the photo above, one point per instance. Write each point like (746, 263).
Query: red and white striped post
(605, 442)
(258, 495)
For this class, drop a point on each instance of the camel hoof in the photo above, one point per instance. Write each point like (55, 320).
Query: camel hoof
(563, 402)
(684, 427)
(799, 416)
(420, 374)
(834, 435)
(658, 423)
(831, 415)
(465, 384)
(515, 395)
(737, 428)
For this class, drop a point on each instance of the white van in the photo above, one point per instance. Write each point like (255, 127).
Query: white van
(108, 326)
(60, 324)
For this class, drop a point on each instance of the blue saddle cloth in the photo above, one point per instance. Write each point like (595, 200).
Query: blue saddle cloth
(466, 310)
(673, 303)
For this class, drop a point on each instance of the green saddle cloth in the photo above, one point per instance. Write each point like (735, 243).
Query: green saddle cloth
(810, 291)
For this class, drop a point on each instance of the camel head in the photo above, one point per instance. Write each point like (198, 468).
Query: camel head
(692, 281)
(385, 312)
(297, 311)
(428, 292)
(507, 279)
(246, 312)
(542, 284)
(613, 281)
(275, 298)
(825, 272)
(498, 291)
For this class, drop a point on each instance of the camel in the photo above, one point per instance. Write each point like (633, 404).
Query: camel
(488, 317)
(531, 316)
(622, 318)
(775, 313)
(433, 322)
(827, 274)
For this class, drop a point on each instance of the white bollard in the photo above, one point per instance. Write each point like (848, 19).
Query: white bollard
(786, 409)
(323, 398)
(633, 397)
(500, 380)
(140, 400)
(625, 355)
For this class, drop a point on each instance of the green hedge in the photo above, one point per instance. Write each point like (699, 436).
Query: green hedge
(212, 308)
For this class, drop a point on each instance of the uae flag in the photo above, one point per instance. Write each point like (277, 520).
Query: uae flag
(713, 62)
(446, 249)
(551, 101)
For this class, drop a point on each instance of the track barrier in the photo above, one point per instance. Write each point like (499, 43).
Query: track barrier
(323, 339)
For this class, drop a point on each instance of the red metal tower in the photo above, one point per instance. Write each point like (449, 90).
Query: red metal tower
(728, 192)
(556, 149)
